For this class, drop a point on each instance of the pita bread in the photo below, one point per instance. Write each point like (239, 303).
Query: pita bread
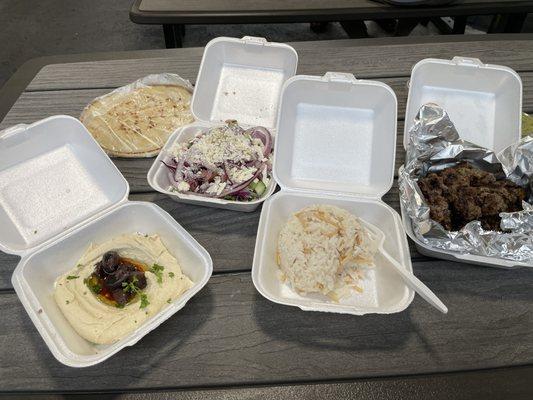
(137, 123)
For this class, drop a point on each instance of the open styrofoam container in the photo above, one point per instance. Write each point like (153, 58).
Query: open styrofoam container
(58, 193)
(239, 79)
(336, 145)
(484, 103)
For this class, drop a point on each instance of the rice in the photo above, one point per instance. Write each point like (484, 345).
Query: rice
(322, 248)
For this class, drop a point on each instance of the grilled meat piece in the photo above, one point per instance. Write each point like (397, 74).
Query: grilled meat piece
(461, 194)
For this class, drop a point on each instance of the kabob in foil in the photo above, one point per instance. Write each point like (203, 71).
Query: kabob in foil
(434, 145)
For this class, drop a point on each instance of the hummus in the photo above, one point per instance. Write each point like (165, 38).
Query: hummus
(102, 323)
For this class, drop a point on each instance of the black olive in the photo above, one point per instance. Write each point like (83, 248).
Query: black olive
(115, 280)
(98, 269)
(110, 261)
(119, 296)
(141, 280)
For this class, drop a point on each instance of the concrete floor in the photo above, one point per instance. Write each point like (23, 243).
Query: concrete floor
(33, 28)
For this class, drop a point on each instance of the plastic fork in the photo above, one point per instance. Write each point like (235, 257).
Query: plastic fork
(409, 278)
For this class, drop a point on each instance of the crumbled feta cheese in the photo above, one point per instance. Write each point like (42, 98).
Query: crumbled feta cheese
(221, 144)
(265, 178)
(183, 186)
(242, 174)
(216, 187)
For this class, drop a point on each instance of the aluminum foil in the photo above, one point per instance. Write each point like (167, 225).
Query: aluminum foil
(434, 144)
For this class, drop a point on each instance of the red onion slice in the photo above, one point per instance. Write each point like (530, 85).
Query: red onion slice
(264, 135)
(179, 170)
(240, 186)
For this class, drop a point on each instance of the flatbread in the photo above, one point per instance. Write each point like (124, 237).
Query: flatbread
(137, 123)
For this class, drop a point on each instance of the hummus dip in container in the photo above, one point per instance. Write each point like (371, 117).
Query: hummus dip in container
(336, 145)
(239, 79)
(484, 102)
(59, 192)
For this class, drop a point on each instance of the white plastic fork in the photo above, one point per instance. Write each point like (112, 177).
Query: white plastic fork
(409, 278)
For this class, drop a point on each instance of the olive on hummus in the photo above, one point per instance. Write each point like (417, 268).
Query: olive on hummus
(119, 284)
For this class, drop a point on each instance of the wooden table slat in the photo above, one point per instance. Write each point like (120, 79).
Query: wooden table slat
(364, 61)
(257, 11)
(230, 335)
(301, 6)
(501, 383)
(32, 106)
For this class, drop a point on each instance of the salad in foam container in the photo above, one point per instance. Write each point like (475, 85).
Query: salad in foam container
(224, 159)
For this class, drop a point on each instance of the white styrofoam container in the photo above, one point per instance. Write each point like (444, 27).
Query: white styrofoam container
(59, 192)
(484, 103)
(336, 145)
(238, 79)
(454, 256)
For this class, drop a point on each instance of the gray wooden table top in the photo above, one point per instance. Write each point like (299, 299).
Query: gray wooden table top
(228, 335)
(295, 5)
(249, 11)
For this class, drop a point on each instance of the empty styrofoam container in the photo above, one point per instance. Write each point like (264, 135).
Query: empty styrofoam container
(336, 145)
(58, 193)
(484, 103)
(239, 79)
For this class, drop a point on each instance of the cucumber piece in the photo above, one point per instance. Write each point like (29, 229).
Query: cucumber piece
(259, 188)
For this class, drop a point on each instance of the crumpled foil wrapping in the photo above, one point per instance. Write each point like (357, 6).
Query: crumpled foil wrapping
(434, 144)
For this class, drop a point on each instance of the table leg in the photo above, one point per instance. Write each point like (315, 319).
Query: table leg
(319, 27)
(459, 25)
(405, 26)
(507, 23)
(514, 23)
(355, 29)
(387, 24)
(173, 35)
(442, 26)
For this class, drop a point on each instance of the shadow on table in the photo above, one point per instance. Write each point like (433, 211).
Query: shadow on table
(132, 363)
(480, 299)
(475, 282)
(330, 331)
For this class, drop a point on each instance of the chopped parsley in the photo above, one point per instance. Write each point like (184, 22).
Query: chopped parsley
(67, 302)
(130, 286)
(157, 270)
(70, 277)
(133, 289)
(171, 274)
(144, 301)
(169, 301)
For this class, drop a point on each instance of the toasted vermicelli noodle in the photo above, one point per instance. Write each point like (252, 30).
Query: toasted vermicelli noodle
(322, 248)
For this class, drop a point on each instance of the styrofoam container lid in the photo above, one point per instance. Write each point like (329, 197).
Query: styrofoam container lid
(59, 192)
(53, 176)
(241, 79)
(484, 101)
(336, 145)
(336, 134)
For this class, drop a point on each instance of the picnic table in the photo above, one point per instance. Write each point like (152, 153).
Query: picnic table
(229, 341)
(174, 15)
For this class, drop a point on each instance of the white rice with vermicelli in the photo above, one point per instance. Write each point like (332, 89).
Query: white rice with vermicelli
(322, 248)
